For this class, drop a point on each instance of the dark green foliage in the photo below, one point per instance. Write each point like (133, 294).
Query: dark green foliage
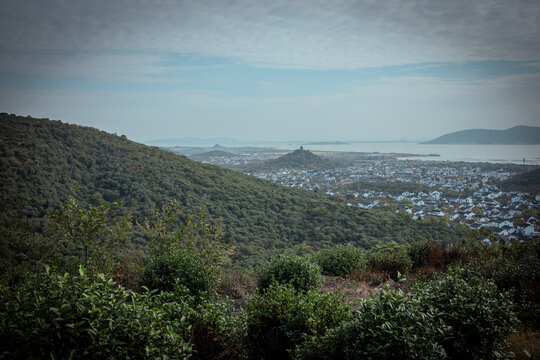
(82, 317)
(516, 268)
(89, 237)
(42, 159)
(523, 277)
(479, 316)
(217, 330)
(340, 260)
(183, 267)
(418, 252)
(280, 318)
(390, 259)
(528, 181)
(298, 271)
(21, 250)
(195, 233)
(187, 255)
(457, 253)
(391, 325)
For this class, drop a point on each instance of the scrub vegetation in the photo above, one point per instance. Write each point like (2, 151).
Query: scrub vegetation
(118, 270)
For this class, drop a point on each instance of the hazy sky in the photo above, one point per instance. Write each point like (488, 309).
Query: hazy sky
(273, 70)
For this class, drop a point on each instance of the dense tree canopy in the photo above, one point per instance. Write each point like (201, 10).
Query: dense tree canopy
(40, 160)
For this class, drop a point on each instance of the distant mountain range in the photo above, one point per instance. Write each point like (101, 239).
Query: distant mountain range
(518, 135)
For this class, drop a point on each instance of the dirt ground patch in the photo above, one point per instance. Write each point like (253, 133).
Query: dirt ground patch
(525, 344)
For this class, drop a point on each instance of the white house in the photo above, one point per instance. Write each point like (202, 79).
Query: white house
(506, 223)
(528, 231)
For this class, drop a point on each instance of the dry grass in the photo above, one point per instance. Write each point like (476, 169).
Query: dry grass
(359, 286)
(525, 344)
(355, 290)
(238, 284)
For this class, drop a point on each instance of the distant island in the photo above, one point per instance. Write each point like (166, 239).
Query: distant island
(517, 135)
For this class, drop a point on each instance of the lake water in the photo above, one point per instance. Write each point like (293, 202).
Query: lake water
(471, 153)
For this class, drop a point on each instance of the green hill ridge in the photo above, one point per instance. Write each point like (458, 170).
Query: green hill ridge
(40, 160)
(516, 135)
(299, 159)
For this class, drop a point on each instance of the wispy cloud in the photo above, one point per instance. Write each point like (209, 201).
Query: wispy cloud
(346, 69)
(302, 34)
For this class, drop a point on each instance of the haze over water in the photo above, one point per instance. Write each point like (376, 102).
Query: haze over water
(507, 154)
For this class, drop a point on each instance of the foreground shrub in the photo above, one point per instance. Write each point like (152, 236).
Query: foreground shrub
(238, 283)
(295, 270)
(418, 252)
(392, 325)
(457, 254)
(480, 317)
(180, 266)
(280, 318)
(81, 317)
(216, 330)
(517, 268)
(340, 260)
(522, 275)
(390, 259)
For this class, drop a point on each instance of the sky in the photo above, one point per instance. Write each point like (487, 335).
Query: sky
(280, 70)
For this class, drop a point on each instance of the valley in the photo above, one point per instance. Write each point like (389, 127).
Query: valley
(472, 194)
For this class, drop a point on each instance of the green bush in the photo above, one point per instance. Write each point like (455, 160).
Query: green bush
(480, 317)
(390, 259)
(418, 252)
(298, 271)
(522, 275)
(183, 267)
(340, 260)
(518, 269)
(279, 318)
(460, 254)
(81, 317)
(392, 325)
(217, 330)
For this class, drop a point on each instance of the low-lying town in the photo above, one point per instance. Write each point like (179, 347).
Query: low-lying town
(463, 192)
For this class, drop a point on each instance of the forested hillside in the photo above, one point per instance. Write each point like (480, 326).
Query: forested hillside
(40, 160)
(299, 159)
(528, 181)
